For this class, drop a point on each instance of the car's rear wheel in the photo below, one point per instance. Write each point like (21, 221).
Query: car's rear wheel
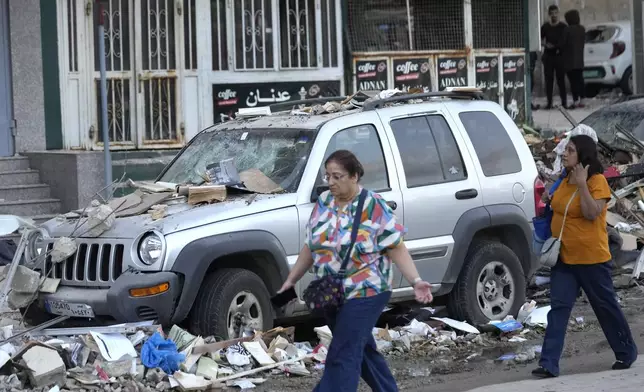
(229, 302)
(626, 83)
(491, 285)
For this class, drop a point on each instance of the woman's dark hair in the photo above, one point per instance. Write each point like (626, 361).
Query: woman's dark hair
(587, 154)
(348, 161)
(572, 18)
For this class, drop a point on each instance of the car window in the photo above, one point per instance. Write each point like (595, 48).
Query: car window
(363, 141)
(492, 144)
(600, 34)
(428, 150)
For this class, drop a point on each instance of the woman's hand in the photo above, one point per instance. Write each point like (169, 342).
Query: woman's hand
(580, 174)
(545, 197)
(286, 286)
(423, 291)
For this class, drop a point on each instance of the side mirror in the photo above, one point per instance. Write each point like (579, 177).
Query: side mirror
(317, 191)
(8, 224)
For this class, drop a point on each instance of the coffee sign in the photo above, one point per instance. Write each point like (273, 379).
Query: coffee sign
(452, 72)
(412, 73)
(371, 74)
(229, 98)
(514, 87)
(487, 76)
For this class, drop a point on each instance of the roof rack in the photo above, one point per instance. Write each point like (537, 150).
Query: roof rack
(457, 94)
(308, 102)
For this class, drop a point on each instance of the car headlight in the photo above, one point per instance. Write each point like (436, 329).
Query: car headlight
(35, 246)
(151, 248)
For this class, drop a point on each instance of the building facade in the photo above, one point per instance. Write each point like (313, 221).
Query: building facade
(430, 45)
(175, 67)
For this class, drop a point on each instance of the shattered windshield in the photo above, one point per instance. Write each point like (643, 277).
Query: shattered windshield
(604, 122)
(279, 154)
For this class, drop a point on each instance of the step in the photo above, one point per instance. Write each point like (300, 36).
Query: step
(14, 163)
(24, 192)
(30, 207)
(19, 177)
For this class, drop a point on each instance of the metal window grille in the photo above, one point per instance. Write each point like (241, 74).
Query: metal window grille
(190, 34)
(72, 36)
(253, 34)
(219, 35)
(116, 16)
(297, 34)
(158, 35)
(329, 33)
(497, 24)
(118, 62)
(437, 24)
(403, 25)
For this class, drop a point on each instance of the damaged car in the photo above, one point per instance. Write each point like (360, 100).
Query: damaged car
(214, 237)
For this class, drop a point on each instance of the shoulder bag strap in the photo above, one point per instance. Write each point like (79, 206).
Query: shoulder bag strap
(563, 223)
(354, 231)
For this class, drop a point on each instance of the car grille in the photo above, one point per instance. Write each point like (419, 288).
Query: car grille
(94, 264)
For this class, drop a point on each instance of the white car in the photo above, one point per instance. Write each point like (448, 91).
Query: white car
(608, 57)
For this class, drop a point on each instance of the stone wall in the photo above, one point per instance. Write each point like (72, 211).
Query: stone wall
(26, 59)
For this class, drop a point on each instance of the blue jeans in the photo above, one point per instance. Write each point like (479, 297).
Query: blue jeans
(353, 351)
(596, 281)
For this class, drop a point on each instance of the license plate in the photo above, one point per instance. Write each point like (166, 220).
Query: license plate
(591, 74)
(68, 309)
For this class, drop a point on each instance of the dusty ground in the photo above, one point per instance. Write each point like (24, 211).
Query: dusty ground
(586, 351)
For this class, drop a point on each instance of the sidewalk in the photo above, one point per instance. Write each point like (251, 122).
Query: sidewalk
(553, 119)
(624, 381)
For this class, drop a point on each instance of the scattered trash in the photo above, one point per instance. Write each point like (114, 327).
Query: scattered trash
(538, 317)
(158, 352)
(460, 325)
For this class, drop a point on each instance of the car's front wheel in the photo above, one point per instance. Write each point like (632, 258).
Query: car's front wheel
(229, 302)
(490, 286)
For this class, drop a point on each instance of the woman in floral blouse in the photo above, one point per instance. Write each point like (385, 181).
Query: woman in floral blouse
(367, 285)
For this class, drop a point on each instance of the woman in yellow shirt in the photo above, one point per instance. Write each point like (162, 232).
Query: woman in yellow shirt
(585, 259)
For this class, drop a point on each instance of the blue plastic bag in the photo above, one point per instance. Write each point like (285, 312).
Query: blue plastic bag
(158, 352)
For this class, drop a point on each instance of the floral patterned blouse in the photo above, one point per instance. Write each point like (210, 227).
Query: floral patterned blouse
(329, 236)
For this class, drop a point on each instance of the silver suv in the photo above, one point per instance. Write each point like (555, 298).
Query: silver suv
(455, 169)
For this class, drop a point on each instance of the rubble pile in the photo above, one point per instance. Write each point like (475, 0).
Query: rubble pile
(139, 357)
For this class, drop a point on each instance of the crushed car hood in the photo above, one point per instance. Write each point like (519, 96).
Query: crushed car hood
(180, 216)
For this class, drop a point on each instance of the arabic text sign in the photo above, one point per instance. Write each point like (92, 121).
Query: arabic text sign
(371, 74)
(412, 73)
(514, 87)
(229, 98)
(452, 72)
(487, 76)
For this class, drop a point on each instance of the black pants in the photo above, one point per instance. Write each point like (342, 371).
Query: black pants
(553, 67)
(576, 79)
(596, 281)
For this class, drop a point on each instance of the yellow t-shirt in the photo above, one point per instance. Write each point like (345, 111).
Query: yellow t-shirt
(583, 241)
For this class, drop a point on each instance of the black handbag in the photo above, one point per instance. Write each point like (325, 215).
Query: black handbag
(327, 293)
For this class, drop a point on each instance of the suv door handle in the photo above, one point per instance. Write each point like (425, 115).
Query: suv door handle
(392, 204)
(466, 194)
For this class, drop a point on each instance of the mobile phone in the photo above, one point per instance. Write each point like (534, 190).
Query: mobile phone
(282, 299)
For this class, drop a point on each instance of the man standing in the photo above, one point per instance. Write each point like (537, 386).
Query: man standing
(553, 38)
(574, 56)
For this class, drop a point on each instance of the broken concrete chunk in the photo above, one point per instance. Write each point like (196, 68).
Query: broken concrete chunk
(49, 285)
(100, 219)
(18, 300)
(25, 280)
(623, 282)
(64, 248)
(45, 367)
